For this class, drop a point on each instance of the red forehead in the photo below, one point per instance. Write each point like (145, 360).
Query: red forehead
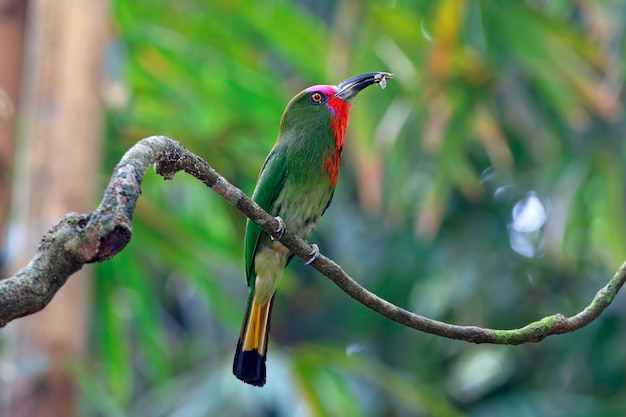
(328, 90)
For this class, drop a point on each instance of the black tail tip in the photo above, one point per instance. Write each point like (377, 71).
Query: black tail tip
(249, 367)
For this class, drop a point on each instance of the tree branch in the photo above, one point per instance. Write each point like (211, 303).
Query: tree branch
(84, 238)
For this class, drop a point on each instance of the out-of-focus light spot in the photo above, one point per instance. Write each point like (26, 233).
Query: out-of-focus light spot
(488, 175)
(526, 244)
(504, 192)
(529, 214)
(355, 348)
(479, 371)
(424, 32)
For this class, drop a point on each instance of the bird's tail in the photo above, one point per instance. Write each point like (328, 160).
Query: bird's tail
(249, 363)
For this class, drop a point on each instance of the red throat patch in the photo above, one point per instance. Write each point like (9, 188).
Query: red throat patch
(340, 110)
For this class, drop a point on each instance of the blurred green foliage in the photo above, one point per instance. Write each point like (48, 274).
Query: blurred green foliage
(484, 186)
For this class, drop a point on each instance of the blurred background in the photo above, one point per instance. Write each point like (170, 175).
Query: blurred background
(484, 186)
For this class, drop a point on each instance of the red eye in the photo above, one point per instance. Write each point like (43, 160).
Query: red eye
(317, 98)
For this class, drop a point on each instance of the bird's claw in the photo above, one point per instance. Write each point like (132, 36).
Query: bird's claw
(314, 254)
(281, 228)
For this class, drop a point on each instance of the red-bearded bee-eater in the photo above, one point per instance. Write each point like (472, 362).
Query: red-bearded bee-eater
(296, 184)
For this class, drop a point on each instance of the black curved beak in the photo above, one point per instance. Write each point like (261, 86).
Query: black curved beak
(348, 89)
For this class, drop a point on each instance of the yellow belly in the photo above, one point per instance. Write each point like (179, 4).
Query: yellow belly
(269, 263)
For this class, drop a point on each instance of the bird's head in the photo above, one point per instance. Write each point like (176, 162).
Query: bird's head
(328, 105)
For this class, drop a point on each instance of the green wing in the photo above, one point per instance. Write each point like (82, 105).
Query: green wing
(268, 187)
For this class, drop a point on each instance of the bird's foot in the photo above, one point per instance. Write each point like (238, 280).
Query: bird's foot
(281, 228)
(314, 254)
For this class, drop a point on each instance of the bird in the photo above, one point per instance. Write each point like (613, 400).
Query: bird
(296, 185)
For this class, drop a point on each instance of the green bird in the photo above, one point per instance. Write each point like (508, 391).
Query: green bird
(296, 184)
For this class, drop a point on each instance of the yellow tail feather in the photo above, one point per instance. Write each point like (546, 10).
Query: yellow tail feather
(249, 363)
(255, 333)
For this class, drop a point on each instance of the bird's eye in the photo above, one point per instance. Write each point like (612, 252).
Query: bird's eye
(316, 97)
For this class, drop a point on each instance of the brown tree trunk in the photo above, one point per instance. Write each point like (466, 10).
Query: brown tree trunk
(12, 22)
(56, 168)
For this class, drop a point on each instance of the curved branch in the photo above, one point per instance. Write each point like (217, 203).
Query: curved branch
(80, 239)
